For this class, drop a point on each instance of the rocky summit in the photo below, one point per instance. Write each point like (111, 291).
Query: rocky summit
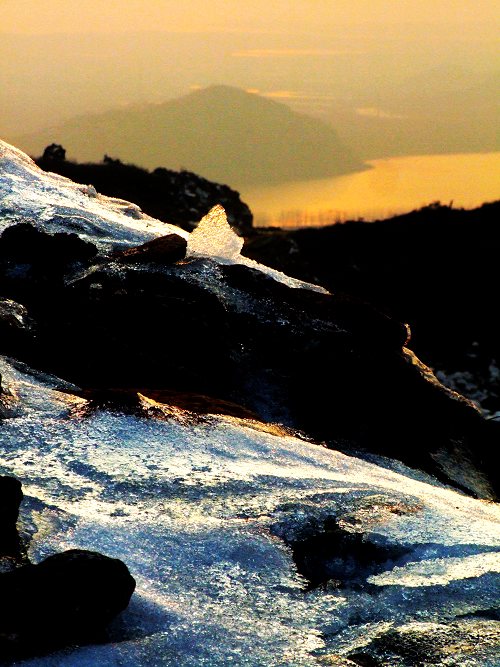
(286, 481)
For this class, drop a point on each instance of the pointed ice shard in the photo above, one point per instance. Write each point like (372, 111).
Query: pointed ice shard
(213, 237)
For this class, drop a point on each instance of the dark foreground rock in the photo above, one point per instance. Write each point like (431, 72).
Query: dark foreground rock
(435, 268)
(68, 597)
(11, 496)
(25, 244)
(328, 364)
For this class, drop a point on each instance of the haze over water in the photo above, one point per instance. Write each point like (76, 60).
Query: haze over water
(389, 187)
(393, 78)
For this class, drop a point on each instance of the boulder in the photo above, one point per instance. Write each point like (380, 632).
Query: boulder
(331, 365)
(11, 496)
(25, 243)
(68, 597)
(164, 250)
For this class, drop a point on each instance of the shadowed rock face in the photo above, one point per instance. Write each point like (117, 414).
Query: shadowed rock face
(328, 364)
(435, 268)
(11, 496)
(68, 597)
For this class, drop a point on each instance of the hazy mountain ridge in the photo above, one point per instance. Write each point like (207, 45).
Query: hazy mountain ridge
(223, 133)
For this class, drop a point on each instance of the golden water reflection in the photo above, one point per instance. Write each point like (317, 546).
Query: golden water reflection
(390, 186)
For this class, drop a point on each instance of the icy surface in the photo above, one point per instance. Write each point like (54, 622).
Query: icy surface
(55, 204)
(213, 237)
(439, 571)
(202, 512)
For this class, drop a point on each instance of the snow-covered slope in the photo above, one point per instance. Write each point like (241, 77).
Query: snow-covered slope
(55, 204)
(205, 514)
(251, 547)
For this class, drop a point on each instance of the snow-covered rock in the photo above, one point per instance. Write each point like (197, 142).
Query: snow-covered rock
(207, 515)
(53, 203)
(251, 546)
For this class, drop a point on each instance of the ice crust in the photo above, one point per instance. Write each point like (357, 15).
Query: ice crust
(213, 237)
(54, 203)
(201, 513)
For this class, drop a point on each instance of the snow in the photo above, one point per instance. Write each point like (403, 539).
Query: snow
(202, 511)
(53, 203)
(439, 571)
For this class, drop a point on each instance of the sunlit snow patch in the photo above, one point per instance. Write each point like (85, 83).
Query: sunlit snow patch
(193, 511)
(439, 571)
(213, 237)
(53, 203)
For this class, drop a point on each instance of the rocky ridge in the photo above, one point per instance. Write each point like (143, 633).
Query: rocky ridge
(154, 337)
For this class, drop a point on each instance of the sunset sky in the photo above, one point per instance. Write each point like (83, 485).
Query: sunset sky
(430, 68)
(33, 16)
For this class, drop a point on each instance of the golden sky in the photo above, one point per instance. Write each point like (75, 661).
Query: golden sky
(49, 16)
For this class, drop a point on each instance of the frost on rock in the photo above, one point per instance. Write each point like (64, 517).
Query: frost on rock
(203, 513)
(53, 203)
(213, 237)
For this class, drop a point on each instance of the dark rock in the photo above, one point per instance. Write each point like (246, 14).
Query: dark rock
(17, 329)
(347, 558)
(66, 598)
(33, 264)
(11, 496)
(330, 365)
(435, 268)
(13, 551)
(25, 243)
(152, 328)
(164, 250)
(54, 152)
(13, 317)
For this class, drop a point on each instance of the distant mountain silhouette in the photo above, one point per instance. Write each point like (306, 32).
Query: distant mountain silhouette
(223, 133)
